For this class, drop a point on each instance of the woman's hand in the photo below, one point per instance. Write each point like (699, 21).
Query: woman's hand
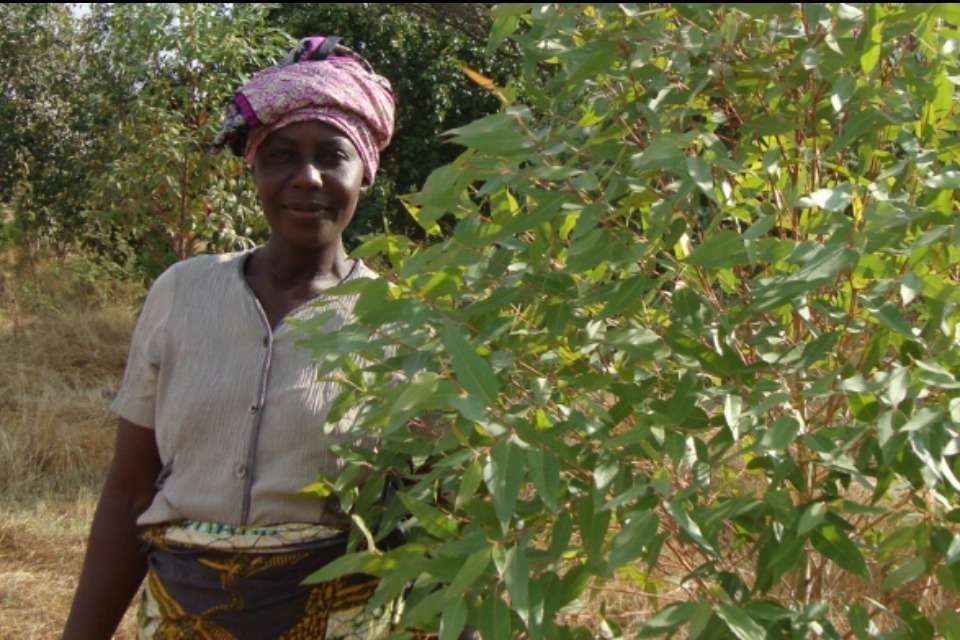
(116, 561)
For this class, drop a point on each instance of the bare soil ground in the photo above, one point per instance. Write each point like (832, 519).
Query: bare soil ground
(39, 568)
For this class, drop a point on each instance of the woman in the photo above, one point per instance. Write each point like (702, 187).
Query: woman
(221, 413)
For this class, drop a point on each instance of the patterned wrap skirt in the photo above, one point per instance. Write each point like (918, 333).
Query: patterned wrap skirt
(217, 582)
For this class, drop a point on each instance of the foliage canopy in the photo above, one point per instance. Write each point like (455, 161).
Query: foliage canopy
(694, 330)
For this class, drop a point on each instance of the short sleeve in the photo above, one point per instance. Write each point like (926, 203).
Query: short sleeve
(137, 399)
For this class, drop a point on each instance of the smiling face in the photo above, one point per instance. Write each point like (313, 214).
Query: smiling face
(308, 176)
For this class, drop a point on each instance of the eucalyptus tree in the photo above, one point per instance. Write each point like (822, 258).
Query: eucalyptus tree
(688, 331)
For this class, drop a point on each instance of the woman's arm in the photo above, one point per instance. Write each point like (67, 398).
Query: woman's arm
(115, 562)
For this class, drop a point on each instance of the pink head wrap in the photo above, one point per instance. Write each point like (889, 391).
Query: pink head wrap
(319, 80)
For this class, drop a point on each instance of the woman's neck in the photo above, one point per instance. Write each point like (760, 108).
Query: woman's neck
(290, 265)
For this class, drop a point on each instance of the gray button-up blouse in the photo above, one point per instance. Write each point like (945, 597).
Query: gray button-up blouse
(237, 408)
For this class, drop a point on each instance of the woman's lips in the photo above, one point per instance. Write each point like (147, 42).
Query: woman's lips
(308, 212)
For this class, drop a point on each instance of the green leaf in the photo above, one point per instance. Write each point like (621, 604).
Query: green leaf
(560, 536)
(441, 191)
(571, 586)
(545, 474)
(420, 389)
(953, 551)
(780, 434)
(517, 577)
(663, 151)
(503, 475)
(921, 420)
(949, 179)
(424, 610)
(638, 532)
(605, 472)
(453, 619)
(856, 126)
(871, 44)
(890, 317)
(593, 526)
(948, 624)
(493, 619)
(821, 268)
(510, 9)
(472, 371)
(740, 623)
(503, 27)
(672, 617)
(700, 174)
(719, 250)
(835, 199)
(897, 385)
(777, 557)
(360, 562)
(688, 525)
(473, 567)
(835, 545)
(732, 409)
(432, 520)
(859, 621)
(915, 623)
(909, 570)
(497, 134)
(469, 483)
(321, 488)
(841, 92)
(371, 247)
(626, 296)
(811, 518)
(825, 264)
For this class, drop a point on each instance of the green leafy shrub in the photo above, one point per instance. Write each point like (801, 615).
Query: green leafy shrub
(694, 332)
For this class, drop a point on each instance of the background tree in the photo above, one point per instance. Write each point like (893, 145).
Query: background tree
(694, 331)
(163, 196)
(38, 84)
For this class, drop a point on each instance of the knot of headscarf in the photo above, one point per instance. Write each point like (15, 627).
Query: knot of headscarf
(319, 80)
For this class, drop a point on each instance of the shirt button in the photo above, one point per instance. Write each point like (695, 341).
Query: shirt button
(266, 341)
(253, 408)
(240, 471)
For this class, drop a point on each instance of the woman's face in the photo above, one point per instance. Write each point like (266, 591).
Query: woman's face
(308, 176)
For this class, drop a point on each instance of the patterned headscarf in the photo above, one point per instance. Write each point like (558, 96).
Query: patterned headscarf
(319, 80)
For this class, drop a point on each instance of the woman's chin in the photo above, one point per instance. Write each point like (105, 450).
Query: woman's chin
(316, 235)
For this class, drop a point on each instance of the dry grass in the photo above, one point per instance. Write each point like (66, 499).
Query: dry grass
(64, 332)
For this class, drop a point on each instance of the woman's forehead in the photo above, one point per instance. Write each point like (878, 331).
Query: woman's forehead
(312, 131)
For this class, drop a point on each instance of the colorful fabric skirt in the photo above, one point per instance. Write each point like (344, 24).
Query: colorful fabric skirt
(210, 581)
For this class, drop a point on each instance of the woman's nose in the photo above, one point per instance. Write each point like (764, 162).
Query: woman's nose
(309, 175)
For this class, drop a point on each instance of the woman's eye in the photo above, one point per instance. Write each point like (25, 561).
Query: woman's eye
(331, 158)
(280, 154)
